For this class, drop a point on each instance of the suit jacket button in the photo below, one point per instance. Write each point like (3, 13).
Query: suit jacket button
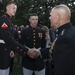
(21, 49)
(17, 47)
(5, 49)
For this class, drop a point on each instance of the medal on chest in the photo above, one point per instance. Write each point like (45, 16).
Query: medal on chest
(40, 35)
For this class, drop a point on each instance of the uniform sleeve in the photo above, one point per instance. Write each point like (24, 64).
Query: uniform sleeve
(8, 40)
(45, 53)
(22, 38)
(44, 50)
(43, 40)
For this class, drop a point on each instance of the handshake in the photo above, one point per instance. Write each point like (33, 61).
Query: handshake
(34, 53)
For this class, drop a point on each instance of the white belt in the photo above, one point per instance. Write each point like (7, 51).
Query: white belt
(2, 41)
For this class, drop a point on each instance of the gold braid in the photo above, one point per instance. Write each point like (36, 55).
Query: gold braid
(51, 47)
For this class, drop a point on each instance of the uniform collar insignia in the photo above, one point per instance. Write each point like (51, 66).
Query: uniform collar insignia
(62, 28)
(62, 32)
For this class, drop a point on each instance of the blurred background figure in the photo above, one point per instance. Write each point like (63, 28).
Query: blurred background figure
(48, 42)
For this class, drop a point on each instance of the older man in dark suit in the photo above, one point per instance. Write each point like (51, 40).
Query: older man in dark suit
(64, 48)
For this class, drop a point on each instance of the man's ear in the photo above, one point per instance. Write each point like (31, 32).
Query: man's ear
(7, 7)
(59, 16)
(29, 20)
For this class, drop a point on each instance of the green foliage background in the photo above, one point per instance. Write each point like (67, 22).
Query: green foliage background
(41, 7)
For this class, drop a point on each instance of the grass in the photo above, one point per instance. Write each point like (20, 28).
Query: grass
(17, 68)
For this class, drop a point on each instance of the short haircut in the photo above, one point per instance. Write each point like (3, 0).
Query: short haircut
(32, 14)
(64, 7)
(11, 2)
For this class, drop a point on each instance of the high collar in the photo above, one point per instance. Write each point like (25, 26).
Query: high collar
(32, 27)
(7, 15)
(63, 27)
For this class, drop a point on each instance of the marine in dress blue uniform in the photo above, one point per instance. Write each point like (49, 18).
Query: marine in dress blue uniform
(63, 52)
(7, 43)
(34, 37)
(64, 49)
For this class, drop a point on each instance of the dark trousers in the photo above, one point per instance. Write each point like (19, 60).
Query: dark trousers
(11, 64)
(48, 68)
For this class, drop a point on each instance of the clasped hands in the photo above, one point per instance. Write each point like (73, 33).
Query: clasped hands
(33, 53)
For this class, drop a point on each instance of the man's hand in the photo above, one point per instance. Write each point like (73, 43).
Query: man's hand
(33, 53)
(11, 54)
